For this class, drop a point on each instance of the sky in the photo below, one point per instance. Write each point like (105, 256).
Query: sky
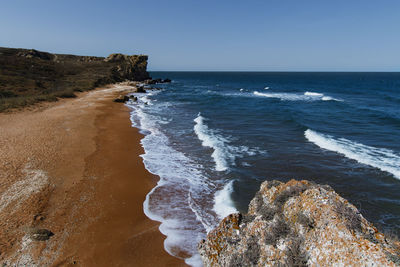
(203, 35)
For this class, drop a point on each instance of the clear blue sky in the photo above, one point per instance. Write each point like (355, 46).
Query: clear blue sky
(293, 35)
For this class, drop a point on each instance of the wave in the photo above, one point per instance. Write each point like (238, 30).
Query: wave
(221, 155)
(381, 158)
(224, 155)
(307, 96)
(223, 204)
(179, 198)
(313, 94)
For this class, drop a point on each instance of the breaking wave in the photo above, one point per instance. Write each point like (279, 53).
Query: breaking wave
(223, 203)
(223, 154)
(307, 96)
(381, 158)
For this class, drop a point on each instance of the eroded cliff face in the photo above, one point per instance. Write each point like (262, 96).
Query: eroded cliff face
(133, 68)
(298, 223)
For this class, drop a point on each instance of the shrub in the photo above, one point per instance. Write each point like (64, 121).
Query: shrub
(7, 94)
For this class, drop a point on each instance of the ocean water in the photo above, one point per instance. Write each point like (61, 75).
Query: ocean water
(214, 137)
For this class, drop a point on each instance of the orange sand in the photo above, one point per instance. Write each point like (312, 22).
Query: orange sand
(73, 167)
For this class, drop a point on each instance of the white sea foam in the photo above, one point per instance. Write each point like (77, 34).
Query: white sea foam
(313, 94)
(181, 199)
(223, 203)
(175, 201)
(307, 96)
(381, 158)
(266, 88)
(223, 154)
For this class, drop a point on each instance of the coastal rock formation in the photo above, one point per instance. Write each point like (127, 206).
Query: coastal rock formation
(298, 223)
(30, 76)
(131, 68)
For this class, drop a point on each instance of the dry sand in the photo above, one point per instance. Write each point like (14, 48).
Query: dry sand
(73, 167)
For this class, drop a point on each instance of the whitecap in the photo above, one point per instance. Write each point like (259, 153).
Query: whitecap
(223, 154)
(313, 94)
(381, 158)
(223, 203)
(307, 96)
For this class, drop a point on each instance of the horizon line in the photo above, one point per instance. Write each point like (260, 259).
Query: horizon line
(294, 71)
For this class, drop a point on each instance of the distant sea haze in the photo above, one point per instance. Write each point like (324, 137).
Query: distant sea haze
(213, 137)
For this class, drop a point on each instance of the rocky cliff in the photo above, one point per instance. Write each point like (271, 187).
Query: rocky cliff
(298, 223)
(29, 76)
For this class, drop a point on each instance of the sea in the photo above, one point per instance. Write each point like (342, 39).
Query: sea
(213, 137)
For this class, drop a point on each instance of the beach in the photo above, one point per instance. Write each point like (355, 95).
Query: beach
(73, 167)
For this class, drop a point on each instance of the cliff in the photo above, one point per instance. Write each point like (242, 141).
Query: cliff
(298, 223)
(30, 76)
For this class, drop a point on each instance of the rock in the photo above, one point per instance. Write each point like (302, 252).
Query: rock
(134, 98)
(131, 68)
(40, 234)
(121, 99)
(140, 89)
(115, 58)
(155, 81)
(149, 81)
(32, 53)
(298, 223)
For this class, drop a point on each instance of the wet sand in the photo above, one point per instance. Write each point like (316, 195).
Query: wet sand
(73, 167)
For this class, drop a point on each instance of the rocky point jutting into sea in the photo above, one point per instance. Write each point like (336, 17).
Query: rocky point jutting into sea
(298, 223)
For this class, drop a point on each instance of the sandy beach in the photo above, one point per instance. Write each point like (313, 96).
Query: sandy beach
(73, 167)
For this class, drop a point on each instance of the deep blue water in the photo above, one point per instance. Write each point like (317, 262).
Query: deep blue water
(213, 137)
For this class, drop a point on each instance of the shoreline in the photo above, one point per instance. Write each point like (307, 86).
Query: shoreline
(90, 185)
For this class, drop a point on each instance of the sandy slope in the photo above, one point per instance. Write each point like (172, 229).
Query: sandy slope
(73, 167)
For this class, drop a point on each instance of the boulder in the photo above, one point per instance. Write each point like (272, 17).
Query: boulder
(121, 99)
(40, 234)
(140, 89)
(298, 223)
(166, 80)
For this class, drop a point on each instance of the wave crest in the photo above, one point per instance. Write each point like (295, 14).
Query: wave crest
(381, 158)
(224, 154)
(307, 96)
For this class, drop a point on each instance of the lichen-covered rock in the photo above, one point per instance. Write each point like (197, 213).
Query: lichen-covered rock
(298, 223)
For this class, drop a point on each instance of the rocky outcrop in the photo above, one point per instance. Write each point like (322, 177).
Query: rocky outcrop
(131, 68)
(35, 76)
(298, 223)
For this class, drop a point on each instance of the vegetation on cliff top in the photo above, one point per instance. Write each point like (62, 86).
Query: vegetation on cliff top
(31, 76)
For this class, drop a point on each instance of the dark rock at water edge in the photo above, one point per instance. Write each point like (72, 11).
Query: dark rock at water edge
(140, 89)
(121, 99)
(134, 98)
(155, 81)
